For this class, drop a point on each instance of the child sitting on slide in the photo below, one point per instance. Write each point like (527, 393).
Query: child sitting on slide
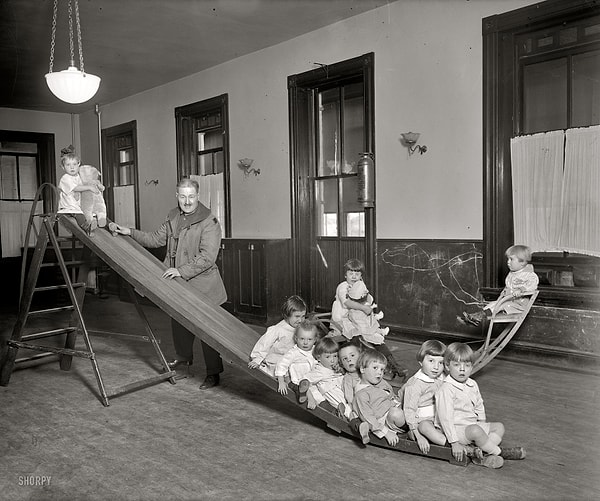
(418, 396)
(298, 361)
(375, 401)
(279, 338)
(461, 414)
(326, 378)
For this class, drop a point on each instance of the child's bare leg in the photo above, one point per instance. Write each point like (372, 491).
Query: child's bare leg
(433, 434)
(476, 434)
(496, 433)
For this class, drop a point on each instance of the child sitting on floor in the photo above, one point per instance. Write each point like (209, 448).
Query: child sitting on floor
(374, 400)
(279, 338)
(325, 378)
(298, 360)
(461, 414)
(520, 279)
(418, 396)
(70, 187)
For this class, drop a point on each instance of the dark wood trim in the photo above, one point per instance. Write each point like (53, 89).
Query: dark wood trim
(46, 155)
(300, 87)
(499, 116)
(106, 135)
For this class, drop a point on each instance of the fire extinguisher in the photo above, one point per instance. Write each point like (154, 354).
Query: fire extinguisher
(366, 180)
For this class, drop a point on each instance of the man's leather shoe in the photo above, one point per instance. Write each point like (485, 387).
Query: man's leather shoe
(209, 382)
(173, 364)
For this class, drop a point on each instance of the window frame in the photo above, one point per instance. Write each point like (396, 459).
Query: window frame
(501, 122)
(187, 152)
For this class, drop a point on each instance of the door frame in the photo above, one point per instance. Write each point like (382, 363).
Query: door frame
(300, 88)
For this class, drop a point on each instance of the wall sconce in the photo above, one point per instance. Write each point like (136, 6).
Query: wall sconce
(409, 139)
(246, 165)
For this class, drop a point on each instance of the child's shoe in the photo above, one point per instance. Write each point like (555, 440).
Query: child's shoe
(471, 319)
(489, 461)
(341, 409)
(363, 429)
(513, 452)
(302, 389)
(474, 452)
(378, 315)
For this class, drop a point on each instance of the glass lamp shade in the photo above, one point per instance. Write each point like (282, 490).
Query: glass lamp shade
(73, 86)
(410, 137)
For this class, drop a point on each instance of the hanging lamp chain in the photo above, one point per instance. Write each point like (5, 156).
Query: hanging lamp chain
(71, 45)
(52, 43)
(79, 44)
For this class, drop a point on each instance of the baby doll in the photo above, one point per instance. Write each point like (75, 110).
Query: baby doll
(279, 338)
(365, 325)
(374, 400)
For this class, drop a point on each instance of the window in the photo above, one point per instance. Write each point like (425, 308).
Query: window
(203, 153)
(18, 171)
(541, 73)
(119, 146)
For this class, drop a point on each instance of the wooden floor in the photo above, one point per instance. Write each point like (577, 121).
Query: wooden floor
(242, 441)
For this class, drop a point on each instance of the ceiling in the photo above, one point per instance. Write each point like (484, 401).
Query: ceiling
(135, 45)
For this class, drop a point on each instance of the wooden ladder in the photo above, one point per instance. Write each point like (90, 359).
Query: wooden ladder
(76, 291)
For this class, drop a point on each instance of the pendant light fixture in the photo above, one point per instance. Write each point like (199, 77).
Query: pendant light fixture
(71, 85)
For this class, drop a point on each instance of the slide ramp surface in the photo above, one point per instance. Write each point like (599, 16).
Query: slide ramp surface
(215, 326)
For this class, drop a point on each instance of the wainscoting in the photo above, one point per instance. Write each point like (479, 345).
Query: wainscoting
(425, 285)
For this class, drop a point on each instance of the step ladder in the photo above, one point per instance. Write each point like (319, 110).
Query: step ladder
(76, 291)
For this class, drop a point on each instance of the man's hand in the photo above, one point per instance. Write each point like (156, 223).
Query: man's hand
(116, 228)
(171, 273)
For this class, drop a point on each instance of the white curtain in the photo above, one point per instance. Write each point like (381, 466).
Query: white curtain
(556, 186)
(581, 192)
(212, 195)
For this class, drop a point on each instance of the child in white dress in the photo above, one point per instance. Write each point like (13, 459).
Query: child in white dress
(298, 360)
(521, 278)
(418, 396)
(279, 338)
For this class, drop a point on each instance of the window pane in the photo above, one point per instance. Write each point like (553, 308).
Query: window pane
(545, 96)
(205, 164)
(125, 156)
(326, 191)
(8, 177)
(353, 126)
(329, 134)
(28, 177)
(210, 140)
(586, 89)
(352, 210)
(17, 147)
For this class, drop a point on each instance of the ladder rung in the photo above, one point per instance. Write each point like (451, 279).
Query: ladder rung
(52, 310)
(51, 349)
(63, 286)
(34, 357)
(126, 388)
(68, 263)
(54, 332)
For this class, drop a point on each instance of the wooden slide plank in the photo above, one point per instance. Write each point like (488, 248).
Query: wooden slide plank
(225, 333)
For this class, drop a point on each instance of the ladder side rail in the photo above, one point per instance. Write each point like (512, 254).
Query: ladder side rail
(31, 225)
(79, 315)
(7, 364)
